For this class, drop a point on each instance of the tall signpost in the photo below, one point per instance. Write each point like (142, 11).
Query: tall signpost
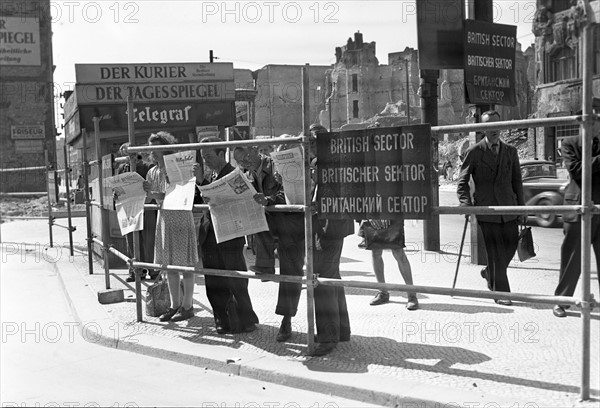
(489, 67)
(439, 32)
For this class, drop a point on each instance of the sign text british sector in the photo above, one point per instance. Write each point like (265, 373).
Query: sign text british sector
(490, 57)
(382, 173)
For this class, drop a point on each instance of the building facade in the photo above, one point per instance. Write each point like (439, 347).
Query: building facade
(27, 118)
(558, 68)
(279, 98)
(361, 89)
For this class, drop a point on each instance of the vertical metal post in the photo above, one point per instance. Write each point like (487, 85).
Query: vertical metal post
(308, 239)
(88, 213)
(136, 234)
(50, 219)
(67, 174)
(308, 234)
(103, 212)
(429, 114)
(407, 93)
(305, 100)
(586, 200)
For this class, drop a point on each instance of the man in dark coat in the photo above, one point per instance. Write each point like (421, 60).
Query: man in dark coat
(331, 311)
(570, 252)
(228, 296)
(287, 227)
(495, 169)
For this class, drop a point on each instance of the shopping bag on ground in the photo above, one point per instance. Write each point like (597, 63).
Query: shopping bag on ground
(157, 297)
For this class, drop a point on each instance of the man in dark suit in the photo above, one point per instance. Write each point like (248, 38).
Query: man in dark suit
(287, 227)
(570, 252)
(331, 310)
(495, 169)
(228, 296)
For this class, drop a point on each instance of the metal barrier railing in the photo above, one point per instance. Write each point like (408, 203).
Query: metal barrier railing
(51, 218)
(586, 209)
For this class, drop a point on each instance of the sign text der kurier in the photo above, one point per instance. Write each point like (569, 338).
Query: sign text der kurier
(375, 173)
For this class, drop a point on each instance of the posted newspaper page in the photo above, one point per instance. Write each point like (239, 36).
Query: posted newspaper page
(182, 182)
(288, 164)
(233, 211)
(129, 189)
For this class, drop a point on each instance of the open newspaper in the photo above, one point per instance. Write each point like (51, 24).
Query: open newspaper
(129, 189)
(182, 182)
(288, 164)
(233, 211)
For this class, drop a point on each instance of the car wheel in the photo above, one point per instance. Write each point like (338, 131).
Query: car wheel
(545, 220)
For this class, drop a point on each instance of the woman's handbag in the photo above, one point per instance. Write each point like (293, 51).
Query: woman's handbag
(157, 297)
(391, 237)
(525, 246)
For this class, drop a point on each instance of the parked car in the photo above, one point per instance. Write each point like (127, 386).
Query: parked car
(542, 186)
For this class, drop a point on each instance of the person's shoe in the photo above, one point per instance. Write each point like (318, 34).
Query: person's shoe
(222, 330)
(412, 303)
(324, 348)
(130, 278)
(285, 331)
(166, 316)
(503, 302)
(183, 314)
(485, 275)
(262, 270)
(249, 328)
(380, 298)
(559, 311)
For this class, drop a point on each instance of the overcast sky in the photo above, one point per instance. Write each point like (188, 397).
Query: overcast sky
(251, 34)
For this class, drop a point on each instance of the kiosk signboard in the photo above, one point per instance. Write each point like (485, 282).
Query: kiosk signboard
(380, 173)
(113, 83)
(490, 57)
(19, 40)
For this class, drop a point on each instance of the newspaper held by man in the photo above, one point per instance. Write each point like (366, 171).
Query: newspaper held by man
(233, 211)
(182, 181)
(288, 164)
(130, 196)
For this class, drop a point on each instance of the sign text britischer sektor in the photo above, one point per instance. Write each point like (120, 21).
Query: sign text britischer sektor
(375, 173)
(490, 56)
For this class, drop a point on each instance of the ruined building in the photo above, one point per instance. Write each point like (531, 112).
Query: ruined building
(558, 68)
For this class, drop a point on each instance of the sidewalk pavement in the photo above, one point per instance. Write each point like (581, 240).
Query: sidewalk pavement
(452, 352)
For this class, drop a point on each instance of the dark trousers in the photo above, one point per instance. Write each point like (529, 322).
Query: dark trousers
(331, 311)
(570, 256)
(265, 250)
(291, 263)
(219, 289)
(501, 240)
(147, 237)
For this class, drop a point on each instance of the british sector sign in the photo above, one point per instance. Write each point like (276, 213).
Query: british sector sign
(382, 173)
